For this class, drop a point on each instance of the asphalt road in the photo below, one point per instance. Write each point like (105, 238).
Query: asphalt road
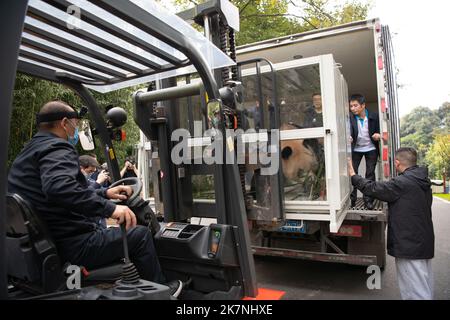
(307, 280)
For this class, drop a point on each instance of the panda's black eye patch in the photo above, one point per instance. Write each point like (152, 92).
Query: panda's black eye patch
(286, 153)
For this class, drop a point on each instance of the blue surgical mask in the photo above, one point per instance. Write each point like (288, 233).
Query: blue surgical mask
(73, 140)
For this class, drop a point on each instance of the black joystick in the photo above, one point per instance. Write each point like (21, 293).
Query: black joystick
(130, 275)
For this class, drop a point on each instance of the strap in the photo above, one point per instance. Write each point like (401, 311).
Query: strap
(53, 116)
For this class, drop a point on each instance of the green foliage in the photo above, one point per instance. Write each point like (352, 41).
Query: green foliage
(30, 94)
(266, 19)
(438, 157)
(421, 120)
(320, 15)
(416, 131)
(443, 196)
(428, 132)
(260, 20)
(444, 115)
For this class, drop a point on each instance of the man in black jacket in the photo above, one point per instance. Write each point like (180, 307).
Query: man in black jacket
(48, 175)
(410, 225)
(365, 136)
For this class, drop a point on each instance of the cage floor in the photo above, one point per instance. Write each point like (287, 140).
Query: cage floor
(378, 205)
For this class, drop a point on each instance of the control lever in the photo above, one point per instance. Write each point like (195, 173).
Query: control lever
(130, 275)
(125, 243)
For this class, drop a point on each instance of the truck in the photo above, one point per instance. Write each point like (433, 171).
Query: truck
(353, 58)
(302, 211)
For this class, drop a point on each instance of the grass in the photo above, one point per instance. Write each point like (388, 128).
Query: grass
(443, 196)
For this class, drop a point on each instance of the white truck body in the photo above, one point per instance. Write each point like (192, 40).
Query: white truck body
(347, 59)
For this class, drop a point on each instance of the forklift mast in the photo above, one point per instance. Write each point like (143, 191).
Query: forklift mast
(161, 105)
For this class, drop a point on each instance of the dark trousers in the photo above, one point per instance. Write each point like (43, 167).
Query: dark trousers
(371, 162)
(104, 246)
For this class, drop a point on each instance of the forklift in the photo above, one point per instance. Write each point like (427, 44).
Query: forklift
(110, 45)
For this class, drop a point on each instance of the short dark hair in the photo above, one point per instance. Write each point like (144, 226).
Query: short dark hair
(316, 94)
(87, 161)
(407, 156)
(130, 159)
(358, 97)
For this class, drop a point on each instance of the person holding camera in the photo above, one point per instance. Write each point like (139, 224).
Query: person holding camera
(129, 169)
(96, 179)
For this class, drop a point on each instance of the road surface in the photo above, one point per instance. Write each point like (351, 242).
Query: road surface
(309, 280)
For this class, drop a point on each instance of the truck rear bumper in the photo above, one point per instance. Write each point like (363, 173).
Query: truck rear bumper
(360, 260)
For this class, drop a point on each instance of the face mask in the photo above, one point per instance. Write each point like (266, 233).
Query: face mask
(73, 140)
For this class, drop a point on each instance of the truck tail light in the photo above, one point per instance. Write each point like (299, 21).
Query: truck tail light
(385, 154)
(383, 105)
(378, 27)
(350, 231)
(380, 63)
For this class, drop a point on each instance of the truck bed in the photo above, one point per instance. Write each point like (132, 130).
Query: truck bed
(359, 212)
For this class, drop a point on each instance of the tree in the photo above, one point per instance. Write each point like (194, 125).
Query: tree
(444, 115)
(426, 130)
(260, 20)
(438, 157)
(421, 120)
(416, 131)
(266, 19)
(30, 94)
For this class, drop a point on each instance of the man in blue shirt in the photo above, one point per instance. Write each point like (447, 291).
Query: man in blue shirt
(365, 137)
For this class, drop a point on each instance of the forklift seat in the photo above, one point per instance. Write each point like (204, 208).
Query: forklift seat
(33, 263)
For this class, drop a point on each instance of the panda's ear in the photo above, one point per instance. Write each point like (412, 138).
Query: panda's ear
(311, 144)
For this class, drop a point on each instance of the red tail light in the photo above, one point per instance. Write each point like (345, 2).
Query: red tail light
(350, 231)
(380, 63)
(383, 105)
(378, 27)
(385, 154)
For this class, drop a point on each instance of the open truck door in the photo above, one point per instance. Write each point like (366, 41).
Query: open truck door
(119, 44)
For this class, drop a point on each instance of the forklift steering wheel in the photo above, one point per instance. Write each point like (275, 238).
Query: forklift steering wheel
(134, 183)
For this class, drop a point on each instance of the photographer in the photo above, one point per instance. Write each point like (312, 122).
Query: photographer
(129, 169)
(96, 179)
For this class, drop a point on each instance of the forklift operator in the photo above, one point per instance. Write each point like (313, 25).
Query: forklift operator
(47, 174)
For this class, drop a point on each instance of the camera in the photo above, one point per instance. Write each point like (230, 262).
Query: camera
(131, 160)
(104, 167)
